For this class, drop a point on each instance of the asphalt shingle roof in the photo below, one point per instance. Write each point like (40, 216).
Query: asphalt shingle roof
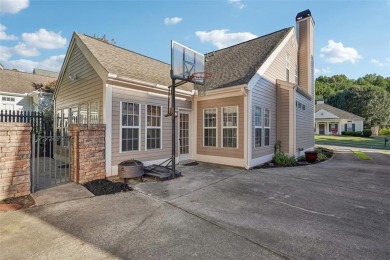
(21, 82)
(337, 112)
(237, 64)
(130, 64)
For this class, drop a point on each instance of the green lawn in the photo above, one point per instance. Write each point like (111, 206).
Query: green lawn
(354, 141)
(359, 154)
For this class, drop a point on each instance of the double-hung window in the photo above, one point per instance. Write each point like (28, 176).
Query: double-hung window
(287, 67)
(266, 126)
(130, 126)
(258, 126)
(153, 127)
(229, 126)
(8, 103)
(210, 127)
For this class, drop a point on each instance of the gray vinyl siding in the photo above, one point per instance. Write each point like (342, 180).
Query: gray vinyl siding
(305, 123)
(120, 94)
(264, 96)
(277, 70)
(87, 87)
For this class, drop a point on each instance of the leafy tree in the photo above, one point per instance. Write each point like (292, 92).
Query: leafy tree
(46, 102)
(370, 102)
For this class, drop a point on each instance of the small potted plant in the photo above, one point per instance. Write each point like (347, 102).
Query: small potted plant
(311, 156)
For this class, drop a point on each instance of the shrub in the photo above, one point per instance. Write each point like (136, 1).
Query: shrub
(321, 156)
(282, 159)
(384, 131)
(342, 132)
(367, 132)
(357, 133)
(348, 133)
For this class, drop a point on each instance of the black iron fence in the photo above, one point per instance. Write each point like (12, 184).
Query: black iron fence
(40, 124)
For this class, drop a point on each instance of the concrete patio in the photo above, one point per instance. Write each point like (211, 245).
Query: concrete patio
(334, 210)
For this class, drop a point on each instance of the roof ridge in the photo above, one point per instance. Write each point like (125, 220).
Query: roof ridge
(119, 47)
(28, 73)
(339, 109)
(259, 37)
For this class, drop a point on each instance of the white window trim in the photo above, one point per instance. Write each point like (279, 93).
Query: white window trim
(229, 127)
(152, 127)
(211, 127)
(120, 127)
(267, 127)
(258, 127)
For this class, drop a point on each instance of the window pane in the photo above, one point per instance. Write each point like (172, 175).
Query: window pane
(258, 137)
(266, 137)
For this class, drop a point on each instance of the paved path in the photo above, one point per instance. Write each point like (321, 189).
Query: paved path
(339, 209)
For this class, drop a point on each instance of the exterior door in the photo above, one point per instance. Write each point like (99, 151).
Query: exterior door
(184, 136)
(321, 129)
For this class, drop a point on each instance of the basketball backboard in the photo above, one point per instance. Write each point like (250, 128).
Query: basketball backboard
(185, 62)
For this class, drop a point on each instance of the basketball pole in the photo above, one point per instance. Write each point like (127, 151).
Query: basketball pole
(173, 96)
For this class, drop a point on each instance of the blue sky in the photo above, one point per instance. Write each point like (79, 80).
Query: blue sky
(352, 37)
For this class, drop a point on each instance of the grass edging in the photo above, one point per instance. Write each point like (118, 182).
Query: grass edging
(361, 155)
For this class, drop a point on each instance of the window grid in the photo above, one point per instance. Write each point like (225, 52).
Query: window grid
(130, 126)
(258, 127)
(210, 127)
(153, 127)
(266, 127)
(229, 126)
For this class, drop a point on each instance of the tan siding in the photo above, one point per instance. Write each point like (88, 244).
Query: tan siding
(305, 123)
(88, 86)
(264, 96)
(277, 70)
(144, 98)
(284, 121)
(219, 150)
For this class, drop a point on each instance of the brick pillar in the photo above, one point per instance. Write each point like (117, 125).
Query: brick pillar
(15, 153)
(88, 152)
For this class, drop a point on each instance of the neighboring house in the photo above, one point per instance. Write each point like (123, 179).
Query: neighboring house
(332, 121)
(17, 91)
(261, 92)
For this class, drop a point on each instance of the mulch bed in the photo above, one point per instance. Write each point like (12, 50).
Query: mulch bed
(11, 204)
(105, 187)
(300, 161)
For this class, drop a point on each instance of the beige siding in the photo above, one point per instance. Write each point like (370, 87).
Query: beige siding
(219, 150)
(264, 96)
(87, 87)
(305, 123)
(143, 98)
(284, 127)
(277, 70)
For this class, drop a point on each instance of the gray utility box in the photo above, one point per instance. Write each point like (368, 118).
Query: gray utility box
(130, 169)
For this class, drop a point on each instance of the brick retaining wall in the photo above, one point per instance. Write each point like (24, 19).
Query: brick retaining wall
(88, 152)
(15, 153)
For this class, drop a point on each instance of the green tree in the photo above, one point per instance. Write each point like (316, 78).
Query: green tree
(370, 102)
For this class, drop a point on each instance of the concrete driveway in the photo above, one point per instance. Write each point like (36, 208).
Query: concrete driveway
(339, 209)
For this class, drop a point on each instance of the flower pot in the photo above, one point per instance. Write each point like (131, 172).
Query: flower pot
(311, 156)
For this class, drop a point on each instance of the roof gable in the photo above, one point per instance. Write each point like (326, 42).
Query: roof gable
(21, 82)
(336, 112)
(237, 64)
(323, 114)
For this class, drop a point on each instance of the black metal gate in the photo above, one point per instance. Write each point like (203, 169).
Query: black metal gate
(53, 166)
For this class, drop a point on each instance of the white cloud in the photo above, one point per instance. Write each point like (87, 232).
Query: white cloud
(376, 62)
(4, 36)
(335, 52)
(172, 21)
(5, 53)
(26, 51)
(237, 3)
(52, 63)
(13, 6)
(44, 39)
(22, 65)
(388, 59)
(222, 38)
(322, 71)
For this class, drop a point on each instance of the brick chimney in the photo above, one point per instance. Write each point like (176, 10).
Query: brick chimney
(305, 38)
